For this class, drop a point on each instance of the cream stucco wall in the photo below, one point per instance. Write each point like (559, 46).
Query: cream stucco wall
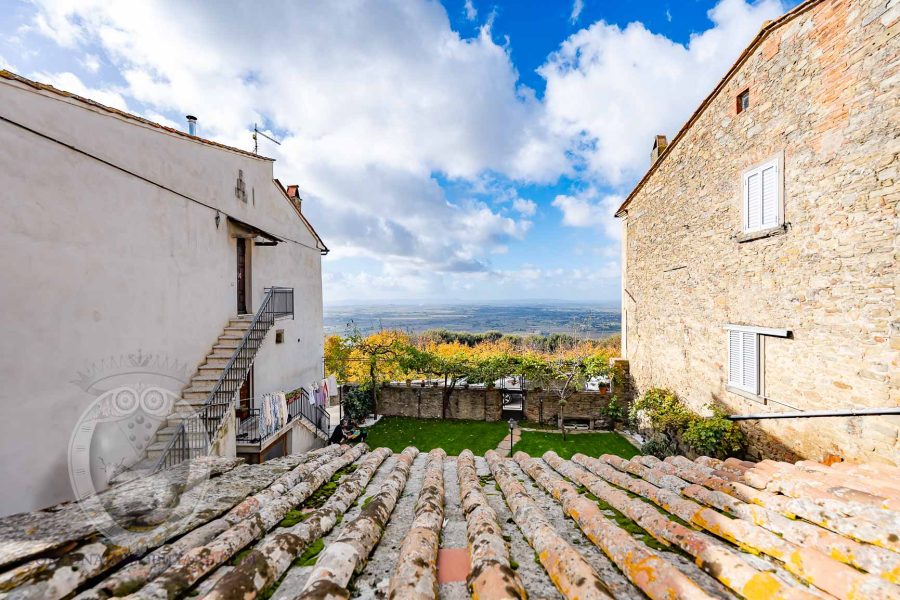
(105, 273)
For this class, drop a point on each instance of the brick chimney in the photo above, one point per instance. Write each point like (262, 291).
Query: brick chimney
(659, 146)
(293, 192)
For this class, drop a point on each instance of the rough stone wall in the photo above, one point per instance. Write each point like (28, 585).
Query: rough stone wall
(544, 407)
(824, 93)
(425, 403)
(485, 405)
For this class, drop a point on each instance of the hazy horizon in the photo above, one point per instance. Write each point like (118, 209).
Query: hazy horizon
(605, 304)
(516, 318)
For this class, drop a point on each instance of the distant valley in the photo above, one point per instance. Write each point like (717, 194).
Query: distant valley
(591, 321)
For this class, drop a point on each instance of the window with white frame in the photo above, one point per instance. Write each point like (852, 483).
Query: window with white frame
(743, 360)
(745, 356)
(762, 196)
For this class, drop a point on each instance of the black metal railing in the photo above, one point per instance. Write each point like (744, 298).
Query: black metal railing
(316, 415)
(198, 431)
(248, 430)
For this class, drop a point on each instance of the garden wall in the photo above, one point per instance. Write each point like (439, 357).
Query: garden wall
(543, 407)
(486, 405)
(425, 403)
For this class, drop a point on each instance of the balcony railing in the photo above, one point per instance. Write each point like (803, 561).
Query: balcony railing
(314, 414)
(250, 428)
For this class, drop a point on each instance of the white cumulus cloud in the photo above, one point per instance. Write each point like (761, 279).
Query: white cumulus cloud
(524, 207)
(377, 103)
(470, 10)
(590, 210)
(614, 88)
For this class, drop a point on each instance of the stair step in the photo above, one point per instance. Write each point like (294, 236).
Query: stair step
(154, 454)
(210, 375)
(197, 444)
(169, 430)
(218, 362)
(227, 345)
(228, 336)
(202, 385)
(175, 419)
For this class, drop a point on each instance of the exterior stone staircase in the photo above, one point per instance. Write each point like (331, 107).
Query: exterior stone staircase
(198, 421)
(202, 383)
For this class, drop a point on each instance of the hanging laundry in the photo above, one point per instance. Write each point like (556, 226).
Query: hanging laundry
(265, 414)
(282, 406)
(332, 386)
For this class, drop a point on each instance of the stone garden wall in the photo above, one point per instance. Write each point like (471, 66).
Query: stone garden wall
(486, 405)
(425, 403)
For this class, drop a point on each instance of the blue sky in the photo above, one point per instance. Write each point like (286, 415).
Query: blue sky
(457, 151)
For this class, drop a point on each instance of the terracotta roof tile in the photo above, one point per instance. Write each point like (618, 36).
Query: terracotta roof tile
(676, 528)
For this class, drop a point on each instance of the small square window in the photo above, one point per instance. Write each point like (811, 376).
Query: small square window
(743, 101)
(279, 336)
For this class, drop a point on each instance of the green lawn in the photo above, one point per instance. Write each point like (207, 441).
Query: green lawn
(397, 433)
(591, 444)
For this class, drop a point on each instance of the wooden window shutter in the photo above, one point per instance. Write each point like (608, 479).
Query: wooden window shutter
(735, 356)
(750, 363)
(769, 195)
(753, 200)
(743, 360)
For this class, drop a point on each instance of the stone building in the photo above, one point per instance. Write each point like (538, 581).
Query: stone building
(139, 260)
(760, 249)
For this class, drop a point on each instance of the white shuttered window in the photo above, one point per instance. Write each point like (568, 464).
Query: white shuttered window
(743, 360)
(762, 197)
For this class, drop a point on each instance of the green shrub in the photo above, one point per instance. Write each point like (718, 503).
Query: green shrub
(358, 402)
(672, 424)
(613, 412)
(664, 411)
(714, 436)
(659, 446)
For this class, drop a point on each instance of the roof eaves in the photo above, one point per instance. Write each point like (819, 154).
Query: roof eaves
(43, 87)
(763, 33)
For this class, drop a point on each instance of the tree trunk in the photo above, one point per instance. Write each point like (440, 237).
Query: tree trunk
(445, 396)
(562, 422)
(374, 390)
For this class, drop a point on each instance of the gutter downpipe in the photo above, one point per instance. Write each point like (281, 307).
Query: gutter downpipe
(842, 412)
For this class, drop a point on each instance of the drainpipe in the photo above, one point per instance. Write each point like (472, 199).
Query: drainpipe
(807, 414)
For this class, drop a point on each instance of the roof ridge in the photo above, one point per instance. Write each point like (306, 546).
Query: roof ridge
(46, 87)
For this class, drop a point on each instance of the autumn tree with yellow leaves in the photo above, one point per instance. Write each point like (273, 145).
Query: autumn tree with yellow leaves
(391, 355)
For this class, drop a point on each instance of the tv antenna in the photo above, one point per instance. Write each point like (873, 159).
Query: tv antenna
(257, 132)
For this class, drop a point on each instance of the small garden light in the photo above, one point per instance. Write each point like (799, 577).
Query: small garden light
(512, 425)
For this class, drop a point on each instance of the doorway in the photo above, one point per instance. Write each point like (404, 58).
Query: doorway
(243, 276)
(245, 396)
